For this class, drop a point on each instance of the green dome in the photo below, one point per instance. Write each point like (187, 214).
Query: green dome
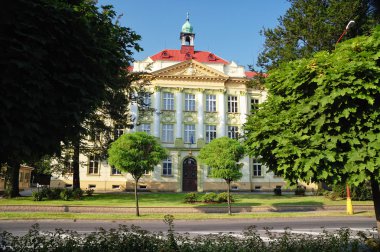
(187, 27)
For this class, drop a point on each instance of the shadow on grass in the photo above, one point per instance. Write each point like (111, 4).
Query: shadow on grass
(302, 206)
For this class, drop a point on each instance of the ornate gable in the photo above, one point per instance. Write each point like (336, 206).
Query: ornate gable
(190, 69)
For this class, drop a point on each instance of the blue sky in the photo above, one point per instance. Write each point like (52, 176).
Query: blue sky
(229, 29)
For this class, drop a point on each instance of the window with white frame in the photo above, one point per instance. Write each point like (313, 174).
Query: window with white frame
(189, 133)
(254, 104)
(167, 166)
(168, 101)
(232, 104)
(93, 164)
(68, 163)
(257, 170)
(115, 171)
(211, 103)
(189, 102)
(210, 133)
(167, 133)
(145, 127)
(233, 132)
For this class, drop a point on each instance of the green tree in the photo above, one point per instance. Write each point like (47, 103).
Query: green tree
(321, 121)
(136, 153)
(222, 156)
(60, 61)
(309, 26)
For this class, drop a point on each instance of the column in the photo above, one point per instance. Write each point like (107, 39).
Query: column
(222, 114)
(243, 107)
(134, 114)
(157, 112)
(178, 113)
(200, 115)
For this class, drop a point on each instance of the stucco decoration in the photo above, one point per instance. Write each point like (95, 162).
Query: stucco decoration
(233, 118)
(189, 116)
(168, 117)
(145, 116)
(211, 118)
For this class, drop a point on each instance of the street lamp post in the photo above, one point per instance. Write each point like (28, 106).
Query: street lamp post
(349, 208)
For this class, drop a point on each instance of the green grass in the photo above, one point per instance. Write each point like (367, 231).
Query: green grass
(198, 216)
(176, 200)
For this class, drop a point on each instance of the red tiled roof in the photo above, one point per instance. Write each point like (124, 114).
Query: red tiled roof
(176, 55)
(250, 74)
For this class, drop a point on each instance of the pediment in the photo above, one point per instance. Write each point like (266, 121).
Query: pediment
(190, 68)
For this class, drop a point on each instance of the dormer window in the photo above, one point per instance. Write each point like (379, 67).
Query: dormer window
(211, 57)
(165, 54)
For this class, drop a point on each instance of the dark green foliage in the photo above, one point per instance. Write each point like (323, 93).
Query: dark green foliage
(300, 191)
(134, 238)
(277, 191)
(191, 197)
(37, 196)
(89, 192)
(78, 193)
(66, 194)
(209, 197)
(309, 26)
(360, 192)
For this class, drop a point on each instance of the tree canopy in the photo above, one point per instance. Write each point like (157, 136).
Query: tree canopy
(222, 155)
(60, 62)
(321, 121)
(136, 153)
(309, 26)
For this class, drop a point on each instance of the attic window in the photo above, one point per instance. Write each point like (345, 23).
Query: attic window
(165, 54)
(188, 56)
(211, 57)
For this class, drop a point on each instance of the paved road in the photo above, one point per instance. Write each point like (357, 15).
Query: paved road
(303, 225)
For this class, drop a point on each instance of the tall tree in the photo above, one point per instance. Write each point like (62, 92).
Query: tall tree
(222, 155)
(59, 59)
(321, 121)
(309, 26)
(136, 153)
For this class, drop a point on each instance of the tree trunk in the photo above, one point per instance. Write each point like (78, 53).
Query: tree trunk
(137, 198)
(228, 197)
(376, 201)
(76, 179)
(14, 165)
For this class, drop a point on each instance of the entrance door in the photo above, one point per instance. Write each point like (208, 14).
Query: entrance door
(189, 179)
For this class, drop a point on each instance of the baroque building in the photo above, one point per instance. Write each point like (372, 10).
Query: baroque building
(196, 96)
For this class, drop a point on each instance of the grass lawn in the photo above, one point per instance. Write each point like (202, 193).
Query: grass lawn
(198, 216)
(176, 200)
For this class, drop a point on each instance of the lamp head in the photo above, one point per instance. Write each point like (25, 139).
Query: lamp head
(350, 24)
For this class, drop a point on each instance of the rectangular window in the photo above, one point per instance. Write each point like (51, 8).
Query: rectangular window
(167, 167)
(145, 127)
(257, 172)
(146, 100)
(119, 130)
(115, 171)
(189, 133)
(167, 133)
(168, 99)
(254, 104)
(93, 166)
(211, 103)
(233, 132)
(189, 102)
(210, 133)
(68, 163)
(232, 104)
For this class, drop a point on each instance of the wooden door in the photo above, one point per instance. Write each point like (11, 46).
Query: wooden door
(189, 178)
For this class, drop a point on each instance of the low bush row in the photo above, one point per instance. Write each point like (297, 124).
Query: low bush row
(208, 197)
(60, 193)
(134, 238)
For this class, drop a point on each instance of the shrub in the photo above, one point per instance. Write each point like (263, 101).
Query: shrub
(45, 191)
(56, 193)
(191, 197)
(300, 191)
(66, 194)
(78, 193)
(89, 192)
(209, 197)
(223, 197)
(37, 196)
(277, 191)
